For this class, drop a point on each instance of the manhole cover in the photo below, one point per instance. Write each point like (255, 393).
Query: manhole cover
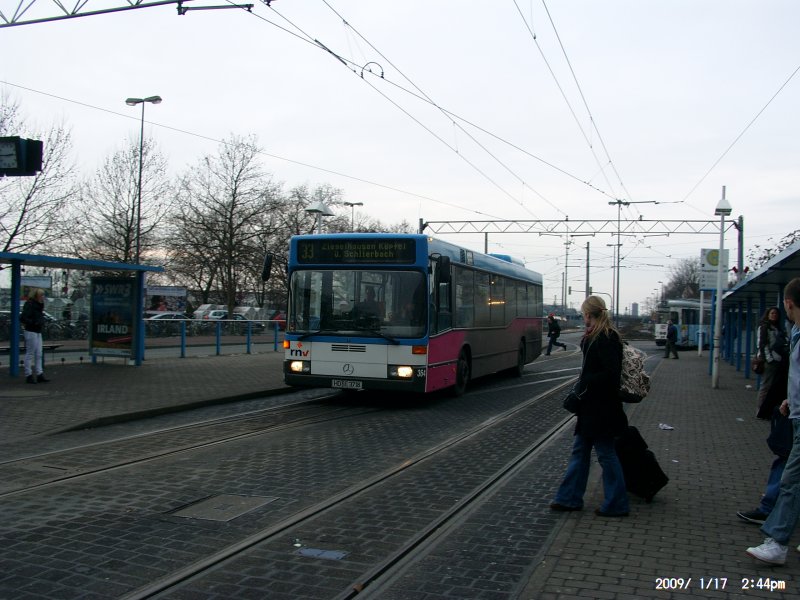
(223, 507)
(326, 554)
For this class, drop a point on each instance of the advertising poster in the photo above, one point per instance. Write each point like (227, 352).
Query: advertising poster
(165, 298)
(111, 331)
(30, 283)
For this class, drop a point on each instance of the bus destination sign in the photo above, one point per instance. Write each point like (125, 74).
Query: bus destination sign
(357, 251)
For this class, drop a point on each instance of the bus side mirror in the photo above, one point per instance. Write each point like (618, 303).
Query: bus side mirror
(265, 271)
(443, 263)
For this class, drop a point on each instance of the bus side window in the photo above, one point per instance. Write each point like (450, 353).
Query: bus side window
(445, 314)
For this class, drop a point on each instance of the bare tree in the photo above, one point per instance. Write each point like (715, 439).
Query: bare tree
(108, 207)
(223, 208)
(684, 279)
(758, 256)
(32, 208)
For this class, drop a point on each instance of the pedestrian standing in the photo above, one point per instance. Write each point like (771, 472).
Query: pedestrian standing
(773, 348)
(32, 319)
(781, 522)
(672, 340)
(600, 417)
(553, 332)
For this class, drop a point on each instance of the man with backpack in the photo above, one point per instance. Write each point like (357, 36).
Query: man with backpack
(553, 331)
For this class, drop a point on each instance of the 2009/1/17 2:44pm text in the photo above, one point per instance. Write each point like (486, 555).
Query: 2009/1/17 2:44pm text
(719, 583)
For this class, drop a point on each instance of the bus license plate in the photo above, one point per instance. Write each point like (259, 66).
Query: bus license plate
(346, 384)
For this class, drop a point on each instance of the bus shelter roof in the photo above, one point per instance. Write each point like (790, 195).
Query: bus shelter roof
(60, 262)
(768, 282)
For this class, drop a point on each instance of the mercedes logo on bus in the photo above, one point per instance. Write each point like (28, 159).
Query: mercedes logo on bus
(348, 369)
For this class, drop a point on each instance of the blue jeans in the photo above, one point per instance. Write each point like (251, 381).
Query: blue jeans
(773, 485)
(552, 343)
(570, 492)
(783, 519)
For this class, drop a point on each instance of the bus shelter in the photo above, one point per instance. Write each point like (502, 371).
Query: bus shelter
(744, 303)
(17, 261)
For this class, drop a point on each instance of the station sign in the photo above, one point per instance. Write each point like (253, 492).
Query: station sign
(709, 266)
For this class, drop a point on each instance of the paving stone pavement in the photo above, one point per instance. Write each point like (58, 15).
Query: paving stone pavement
(716, 458)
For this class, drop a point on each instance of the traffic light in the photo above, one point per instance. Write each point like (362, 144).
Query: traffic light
(20, 157)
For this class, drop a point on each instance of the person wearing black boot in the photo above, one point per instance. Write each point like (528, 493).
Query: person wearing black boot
(32, 319)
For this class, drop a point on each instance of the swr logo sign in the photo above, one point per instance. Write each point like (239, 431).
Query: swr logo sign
(298, 352)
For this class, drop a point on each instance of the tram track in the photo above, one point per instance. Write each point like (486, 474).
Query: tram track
(62, 466)
(398, 560)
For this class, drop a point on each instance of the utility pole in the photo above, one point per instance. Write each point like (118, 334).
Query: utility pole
(588, 287)
(619, 204)
(739, 225)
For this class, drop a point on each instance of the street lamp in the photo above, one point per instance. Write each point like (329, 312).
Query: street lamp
(319, 210)
(134, 102)
(723, 210)
(352, 206)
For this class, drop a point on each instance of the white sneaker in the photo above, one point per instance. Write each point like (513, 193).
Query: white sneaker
(770, 552)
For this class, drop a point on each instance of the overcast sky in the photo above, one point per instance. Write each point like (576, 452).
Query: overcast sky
(510, 109)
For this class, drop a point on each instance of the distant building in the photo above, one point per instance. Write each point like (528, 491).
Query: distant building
(635, 309)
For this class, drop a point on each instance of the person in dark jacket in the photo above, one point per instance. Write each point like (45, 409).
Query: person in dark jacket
(672, 340)
(773, 347)
(600, 417)
(32, 319)
(553, 331)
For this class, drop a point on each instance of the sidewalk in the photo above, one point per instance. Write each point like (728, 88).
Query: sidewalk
(717, 460)
(80, 395)
(716, 457)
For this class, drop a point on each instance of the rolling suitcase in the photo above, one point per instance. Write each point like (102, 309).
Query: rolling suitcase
(643, 475)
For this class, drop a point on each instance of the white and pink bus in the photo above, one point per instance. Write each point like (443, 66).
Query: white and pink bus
(406, 312)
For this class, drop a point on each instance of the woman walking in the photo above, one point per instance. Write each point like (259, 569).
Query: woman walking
(773, 347)
(600, 417)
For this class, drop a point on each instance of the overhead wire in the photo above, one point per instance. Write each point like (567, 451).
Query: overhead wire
(738, 137)
(563, 94)
(262, 152)
(438, 107)
(424, 98)
(585, 103)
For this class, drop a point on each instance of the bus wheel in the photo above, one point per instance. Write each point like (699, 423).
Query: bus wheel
(518, 370)
(462, 375)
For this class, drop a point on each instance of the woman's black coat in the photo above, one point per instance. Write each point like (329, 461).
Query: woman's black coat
(600, 414)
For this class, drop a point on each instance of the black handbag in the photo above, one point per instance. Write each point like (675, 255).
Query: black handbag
(781, 435)
(757, 365)
(572, 400)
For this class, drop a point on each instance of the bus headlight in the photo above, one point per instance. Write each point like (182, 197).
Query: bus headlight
(300, 366)
(401, 372)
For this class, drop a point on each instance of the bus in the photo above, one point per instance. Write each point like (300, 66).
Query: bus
(685, 314)
(405, 312)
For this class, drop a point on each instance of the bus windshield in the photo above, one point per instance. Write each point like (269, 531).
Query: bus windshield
(370, 303)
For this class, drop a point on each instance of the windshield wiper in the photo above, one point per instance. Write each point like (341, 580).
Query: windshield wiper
(347, 332)
(323, 331)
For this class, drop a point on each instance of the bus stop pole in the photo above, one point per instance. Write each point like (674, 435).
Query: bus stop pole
(138, 319)
(13, 341)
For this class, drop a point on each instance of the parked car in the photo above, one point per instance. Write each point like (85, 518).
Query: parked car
(215, 315)
(240, 323)
(165, 323)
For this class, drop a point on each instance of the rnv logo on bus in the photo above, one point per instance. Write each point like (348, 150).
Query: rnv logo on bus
(298, 352)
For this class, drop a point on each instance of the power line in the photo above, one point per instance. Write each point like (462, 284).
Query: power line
(262, 152)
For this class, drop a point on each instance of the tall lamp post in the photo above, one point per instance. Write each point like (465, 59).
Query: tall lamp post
(352, 206)
(723, 210)
(319, 210)
(134, 102)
